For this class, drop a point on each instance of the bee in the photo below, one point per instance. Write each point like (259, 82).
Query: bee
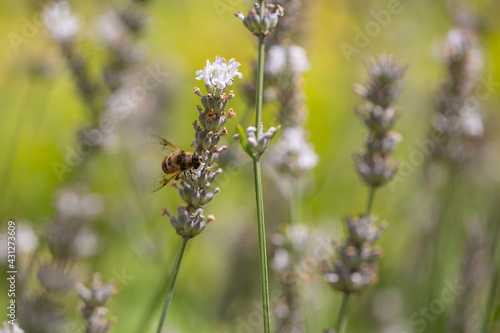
(177, 162)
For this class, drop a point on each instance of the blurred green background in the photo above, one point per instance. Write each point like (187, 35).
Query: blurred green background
(218, 285)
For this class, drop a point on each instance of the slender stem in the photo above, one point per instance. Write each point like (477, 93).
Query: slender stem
(258, 183)
(262, 245)
(493, 285)
(171, 284)
(260, 83)
(369, 205)
(344, 313)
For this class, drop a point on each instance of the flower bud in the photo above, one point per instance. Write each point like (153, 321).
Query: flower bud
(264, 26)
(375, 169)
(383, 145)
(189, 225)
(255, 143)
(208, 102)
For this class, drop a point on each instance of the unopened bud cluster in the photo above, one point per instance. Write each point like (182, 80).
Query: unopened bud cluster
(93, 307)
(196, 187)
(189, 224)
(375, 165)
(261, 24)
(255, 142)
(357, 263)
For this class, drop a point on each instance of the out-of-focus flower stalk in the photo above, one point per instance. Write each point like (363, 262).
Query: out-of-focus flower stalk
(466, 317)
(93, 304)
(456, 132)
(357, 264)
(292, 156)
(261, 21)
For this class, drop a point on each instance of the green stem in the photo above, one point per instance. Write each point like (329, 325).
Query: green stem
(258, 183)
(369, 205)
(344, 313)
(170, 290)
(260, 83)
(493, 284)
(262, 245)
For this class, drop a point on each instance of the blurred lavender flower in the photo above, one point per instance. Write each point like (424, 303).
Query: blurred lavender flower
(375, 165)
(77, 204)
(71, 236)
(27, 241)
(288, 265)
(280, 56)
(55, 277)
(457, 121)
(94, 300)
(62, 25)
(8, 328)
(41, 314)
(292, 154)
(357, 263)
(291, 242)
(112, 29)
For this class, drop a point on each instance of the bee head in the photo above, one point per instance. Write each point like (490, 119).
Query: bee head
(197, 161)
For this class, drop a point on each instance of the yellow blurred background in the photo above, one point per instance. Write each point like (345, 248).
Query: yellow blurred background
(42, 112)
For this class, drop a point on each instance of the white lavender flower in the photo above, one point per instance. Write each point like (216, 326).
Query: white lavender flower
(60, 22)
(219, 75)
(292, 153)
(281, 261)
(279, 57)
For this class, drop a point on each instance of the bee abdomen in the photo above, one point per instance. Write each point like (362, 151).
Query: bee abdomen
(168, 164)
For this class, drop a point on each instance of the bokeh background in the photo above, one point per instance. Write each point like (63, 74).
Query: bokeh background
(218, 285)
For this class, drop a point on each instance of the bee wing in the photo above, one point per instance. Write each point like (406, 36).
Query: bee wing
(163, 145)
(161, 181)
